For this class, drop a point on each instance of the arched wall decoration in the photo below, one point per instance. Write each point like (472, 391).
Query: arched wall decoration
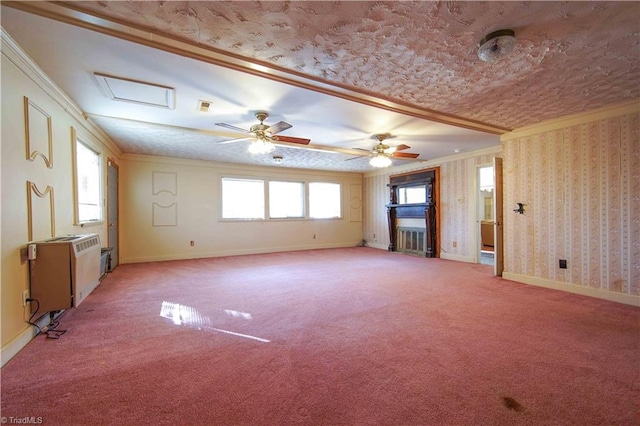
(37, 128)
(164, 182)
(164, 188)
(165, 215)
(355, 203)
(32, 188)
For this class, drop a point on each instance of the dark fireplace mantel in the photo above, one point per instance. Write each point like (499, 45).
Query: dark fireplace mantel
(426, 210)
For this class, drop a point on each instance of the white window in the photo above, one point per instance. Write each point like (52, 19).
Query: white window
(324, 200)
(286, 199)
(242, 198)
(87, 184)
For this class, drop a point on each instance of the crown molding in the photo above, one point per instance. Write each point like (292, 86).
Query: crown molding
(12, 52)
(72, 14)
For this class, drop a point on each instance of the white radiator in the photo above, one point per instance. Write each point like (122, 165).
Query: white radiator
(85, 262)
(411, 240)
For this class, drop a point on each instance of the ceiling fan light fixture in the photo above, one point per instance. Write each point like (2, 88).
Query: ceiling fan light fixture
(380, 160)
(496, 45)
(261, 146)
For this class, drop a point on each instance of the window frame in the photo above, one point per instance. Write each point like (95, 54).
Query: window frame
(266, 182)
(340, 203)
(265, 205)
(77, 221)
(303, 205)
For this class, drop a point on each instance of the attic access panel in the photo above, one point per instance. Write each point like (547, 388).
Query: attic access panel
(137, 92)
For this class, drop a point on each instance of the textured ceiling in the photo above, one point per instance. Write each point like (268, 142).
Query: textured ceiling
(400, 64)
(570, 56)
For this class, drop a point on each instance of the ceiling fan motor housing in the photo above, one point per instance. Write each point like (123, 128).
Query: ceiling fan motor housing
(380, 148)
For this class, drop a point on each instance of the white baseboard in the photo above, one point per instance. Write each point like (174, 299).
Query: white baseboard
(627, 299)
(239, 252)
(457, 257)
(11, 349)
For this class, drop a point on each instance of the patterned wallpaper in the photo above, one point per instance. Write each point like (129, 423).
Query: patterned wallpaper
(456, 179)
(580, 186)
(375, 197)
(457, 209)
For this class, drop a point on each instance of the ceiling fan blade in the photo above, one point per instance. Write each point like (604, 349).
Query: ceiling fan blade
(217, 133)
(278, 127)
(363, 150)
(404, 155)
(393, 149)
(402, 147)
(291, 139)
(234, 140)
(321, 148)
(229, 126)
(353, 158)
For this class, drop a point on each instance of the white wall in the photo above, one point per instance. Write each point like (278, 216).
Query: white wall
(195, 196)
(54, 170)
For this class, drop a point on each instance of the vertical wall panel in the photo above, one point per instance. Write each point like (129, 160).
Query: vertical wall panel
(355, 203)
(614, 202)
(574, 191)
(594, 184)
(631, 156)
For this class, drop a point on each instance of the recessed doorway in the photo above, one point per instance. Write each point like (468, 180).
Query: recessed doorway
(486, 219)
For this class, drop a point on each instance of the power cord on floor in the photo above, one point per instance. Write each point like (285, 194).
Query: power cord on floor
(51, 329)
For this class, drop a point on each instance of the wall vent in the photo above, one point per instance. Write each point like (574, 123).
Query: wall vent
(86, 244)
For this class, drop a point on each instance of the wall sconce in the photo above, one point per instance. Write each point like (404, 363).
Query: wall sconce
(520, 208)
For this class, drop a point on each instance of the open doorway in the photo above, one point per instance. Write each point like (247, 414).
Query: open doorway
(486, 219)
(490, 215)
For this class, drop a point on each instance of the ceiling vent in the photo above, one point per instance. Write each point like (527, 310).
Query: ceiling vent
(137, 92)
(203, 106)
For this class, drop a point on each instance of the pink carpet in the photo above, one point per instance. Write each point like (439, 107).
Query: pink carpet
(330, 337)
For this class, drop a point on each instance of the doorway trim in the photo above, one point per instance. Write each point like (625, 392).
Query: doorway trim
(497, 219)
(112, 163)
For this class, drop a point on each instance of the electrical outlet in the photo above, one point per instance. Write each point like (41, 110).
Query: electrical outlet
(314, 236)
(455, 244)
(26, 294)
(192, 243)
(563, 264)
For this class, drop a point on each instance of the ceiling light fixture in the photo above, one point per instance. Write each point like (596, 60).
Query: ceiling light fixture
(380, 160)
(496, 45)
(261, 146)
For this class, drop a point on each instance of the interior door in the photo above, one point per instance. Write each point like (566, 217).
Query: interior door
(498, 215)
(112, 211)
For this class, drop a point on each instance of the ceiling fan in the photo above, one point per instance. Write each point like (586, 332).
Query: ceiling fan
(264, 135)
(382, 153)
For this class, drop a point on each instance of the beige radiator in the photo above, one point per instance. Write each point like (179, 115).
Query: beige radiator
(64, 271)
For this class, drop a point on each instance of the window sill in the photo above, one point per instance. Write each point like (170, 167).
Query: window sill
(90, 224)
